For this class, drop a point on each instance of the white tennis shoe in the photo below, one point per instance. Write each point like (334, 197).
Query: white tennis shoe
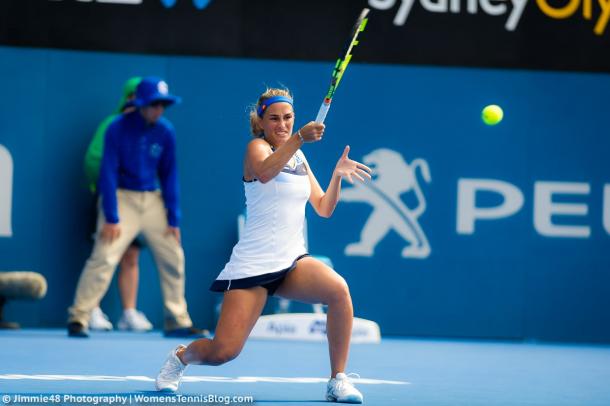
(171, 372)
(134, 320)
(340, 389)
(99, 321)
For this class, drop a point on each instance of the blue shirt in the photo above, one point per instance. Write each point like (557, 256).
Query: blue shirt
(136, 156)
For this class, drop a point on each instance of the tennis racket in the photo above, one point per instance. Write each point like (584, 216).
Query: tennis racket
(341, 65)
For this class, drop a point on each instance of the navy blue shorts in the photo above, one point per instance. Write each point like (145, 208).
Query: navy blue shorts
(270, 281)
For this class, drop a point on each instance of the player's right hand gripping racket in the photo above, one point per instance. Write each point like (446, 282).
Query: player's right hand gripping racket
(341, 65)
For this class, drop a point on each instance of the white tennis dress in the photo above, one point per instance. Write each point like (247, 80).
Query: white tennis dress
(272, 238)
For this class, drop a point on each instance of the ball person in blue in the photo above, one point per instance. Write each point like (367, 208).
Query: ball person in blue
(139, 156)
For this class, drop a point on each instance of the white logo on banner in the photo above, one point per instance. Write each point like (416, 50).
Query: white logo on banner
(6, 192)
(513, 9)
(555, 214)
(393, 177)
(454, 6)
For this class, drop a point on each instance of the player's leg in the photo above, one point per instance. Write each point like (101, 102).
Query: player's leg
(314, 282)
(240, 310)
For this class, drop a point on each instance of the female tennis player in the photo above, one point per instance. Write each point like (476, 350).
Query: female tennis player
(270, 257)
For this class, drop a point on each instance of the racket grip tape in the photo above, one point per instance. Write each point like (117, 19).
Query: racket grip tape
(323, 111)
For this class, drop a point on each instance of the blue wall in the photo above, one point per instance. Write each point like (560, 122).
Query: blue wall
(506, 279)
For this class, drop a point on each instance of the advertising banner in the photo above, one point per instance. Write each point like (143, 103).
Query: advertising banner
(531, 34)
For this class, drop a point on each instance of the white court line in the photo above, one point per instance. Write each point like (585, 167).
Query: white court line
(239, 379)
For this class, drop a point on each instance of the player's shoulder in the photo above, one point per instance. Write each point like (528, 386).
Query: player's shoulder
(258, 143)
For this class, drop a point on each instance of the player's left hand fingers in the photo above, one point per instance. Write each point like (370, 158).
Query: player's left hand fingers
(357, 176)
(364, 167)
(363, 173)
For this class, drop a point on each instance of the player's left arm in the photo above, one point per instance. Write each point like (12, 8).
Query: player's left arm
(325, 203)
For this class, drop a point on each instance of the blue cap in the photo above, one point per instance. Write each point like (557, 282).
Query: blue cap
(152, 89)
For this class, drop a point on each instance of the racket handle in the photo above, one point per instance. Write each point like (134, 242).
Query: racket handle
(323, 112)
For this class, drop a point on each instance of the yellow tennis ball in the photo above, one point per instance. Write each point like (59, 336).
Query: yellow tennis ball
(492, 114)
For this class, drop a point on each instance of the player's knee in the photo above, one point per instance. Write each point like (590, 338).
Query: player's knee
(340, 292)
(223, 355)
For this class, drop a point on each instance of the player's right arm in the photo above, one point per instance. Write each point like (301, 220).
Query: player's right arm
(262, 163)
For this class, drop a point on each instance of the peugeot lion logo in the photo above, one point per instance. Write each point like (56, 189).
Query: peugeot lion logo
(393, 176)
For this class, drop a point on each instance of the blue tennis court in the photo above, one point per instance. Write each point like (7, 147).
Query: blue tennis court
(395, 372)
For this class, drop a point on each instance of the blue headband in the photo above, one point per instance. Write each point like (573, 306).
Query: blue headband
(275, 99)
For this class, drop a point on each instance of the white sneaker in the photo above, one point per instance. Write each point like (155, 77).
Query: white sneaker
(171, 372)
(99, 321)
(134, 320)
(340, 389)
